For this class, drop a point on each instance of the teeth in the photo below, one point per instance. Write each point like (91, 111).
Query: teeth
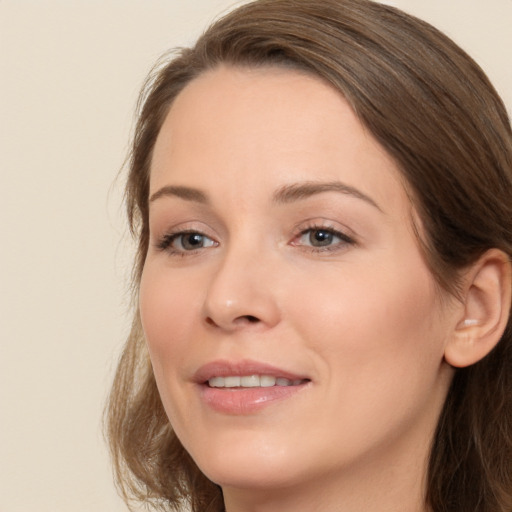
(267, 382)
(216, 382)
(251, 381)
(231, 382)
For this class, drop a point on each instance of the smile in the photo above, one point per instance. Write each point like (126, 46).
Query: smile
(246, 387)
(252, 381)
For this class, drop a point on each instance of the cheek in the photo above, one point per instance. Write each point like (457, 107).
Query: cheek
(378, 343)
(373, 326)
(167, 315)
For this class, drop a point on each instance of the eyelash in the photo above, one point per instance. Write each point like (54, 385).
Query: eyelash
(166, 242)
(345, 240)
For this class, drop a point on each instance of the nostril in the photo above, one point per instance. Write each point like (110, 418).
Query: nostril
(247, 319)
(238, 321)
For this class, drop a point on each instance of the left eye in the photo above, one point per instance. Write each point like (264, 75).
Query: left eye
(322, 237)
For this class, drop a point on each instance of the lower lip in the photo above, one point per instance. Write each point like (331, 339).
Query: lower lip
(240, 401)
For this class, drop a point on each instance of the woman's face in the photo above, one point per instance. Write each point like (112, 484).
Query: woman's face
(283, 268)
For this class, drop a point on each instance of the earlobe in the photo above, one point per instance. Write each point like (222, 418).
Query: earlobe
(487, 296)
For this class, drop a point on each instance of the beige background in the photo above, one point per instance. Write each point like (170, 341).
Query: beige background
(69, 76)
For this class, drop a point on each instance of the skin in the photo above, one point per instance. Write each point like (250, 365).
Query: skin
(362, 319)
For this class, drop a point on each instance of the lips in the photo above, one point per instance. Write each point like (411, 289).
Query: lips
(245, 387)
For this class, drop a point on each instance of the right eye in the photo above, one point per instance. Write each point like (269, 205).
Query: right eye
(185, 241)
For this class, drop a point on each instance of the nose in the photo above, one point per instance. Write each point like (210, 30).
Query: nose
(241, 293)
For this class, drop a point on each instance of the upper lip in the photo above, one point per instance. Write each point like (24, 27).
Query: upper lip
(224, 368)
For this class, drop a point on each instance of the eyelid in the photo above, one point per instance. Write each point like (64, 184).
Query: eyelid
(347, 239)
(326, 224)
(170, 238)
(163, 242)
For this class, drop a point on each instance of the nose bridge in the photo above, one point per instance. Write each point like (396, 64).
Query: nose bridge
(240, 291)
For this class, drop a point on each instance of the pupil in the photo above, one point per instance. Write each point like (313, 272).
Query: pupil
(192, 241)
(320, 238)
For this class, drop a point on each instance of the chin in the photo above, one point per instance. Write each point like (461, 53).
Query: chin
(253, 462)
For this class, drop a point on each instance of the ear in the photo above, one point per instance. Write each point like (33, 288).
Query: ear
(486, 307)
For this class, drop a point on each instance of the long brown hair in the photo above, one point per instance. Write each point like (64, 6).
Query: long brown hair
(435, 112)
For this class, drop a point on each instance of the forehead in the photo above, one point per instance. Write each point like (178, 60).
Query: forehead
(269, 125)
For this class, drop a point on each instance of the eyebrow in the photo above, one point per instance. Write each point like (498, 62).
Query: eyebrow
(299, 191)
(285, 194)
(186, 193)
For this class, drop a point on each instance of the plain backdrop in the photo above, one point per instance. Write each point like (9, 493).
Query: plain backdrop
(69, 76)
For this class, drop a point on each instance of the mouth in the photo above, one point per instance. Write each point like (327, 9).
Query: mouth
(246, 387)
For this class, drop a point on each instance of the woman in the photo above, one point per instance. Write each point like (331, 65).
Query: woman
(321, 193)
